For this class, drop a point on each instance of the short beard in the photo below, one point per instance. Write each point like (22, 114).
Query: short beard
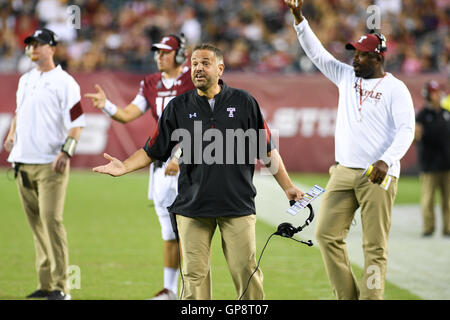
(204, 86)
(364, 75)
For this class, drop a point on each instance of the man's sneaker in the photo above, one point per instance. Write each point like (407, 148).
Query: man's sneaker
(165, 294)
(38, 294)
(58, 295)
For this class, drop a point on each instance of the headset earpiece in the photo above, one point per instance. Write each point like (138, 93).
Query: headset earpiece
(180, 55)
(381, 47)
(286, 230)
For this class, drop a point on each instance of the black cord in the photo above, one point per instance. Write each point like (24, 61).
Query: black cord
(308, 243)
(259, 261)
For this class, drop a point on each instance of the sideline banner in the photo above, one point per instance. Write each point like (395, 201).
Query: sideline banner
(300, 109)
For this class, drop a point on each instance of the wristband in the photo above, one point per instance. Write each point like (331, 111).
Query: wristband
(69, 146)
(110, 108)
(177, 154)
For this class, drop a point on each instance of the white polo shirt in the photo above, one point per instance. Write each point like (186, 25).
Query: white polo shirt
(375, 117)
(48, 106)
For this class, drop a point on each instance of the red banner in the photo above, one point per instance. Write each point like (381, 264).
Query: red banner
(301, 109)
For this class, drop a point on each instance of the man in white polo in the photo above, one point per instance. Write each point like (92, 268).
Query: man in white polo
(43, 136)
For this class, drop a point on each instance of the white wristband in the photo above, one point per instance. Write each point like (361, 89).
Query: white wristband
(177, 153)
(110, 108)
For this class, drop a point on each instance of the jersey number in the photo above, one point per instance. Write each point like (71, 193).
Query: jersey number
(161, 103)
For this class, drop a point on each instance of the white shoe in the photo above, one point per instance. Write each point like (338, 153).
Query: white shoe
(165, 294)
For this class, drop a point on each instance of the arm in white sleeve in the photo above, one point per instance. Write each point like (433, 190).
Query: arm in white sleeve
(140, 102)
(332, 68)
(404, 122)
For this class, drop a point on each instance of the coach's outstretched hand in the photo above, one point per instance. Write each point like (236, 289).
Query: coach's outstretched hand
(114, 168)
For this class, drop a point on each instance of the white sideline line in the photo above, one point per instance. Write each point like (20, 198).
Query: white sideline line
(418, 265)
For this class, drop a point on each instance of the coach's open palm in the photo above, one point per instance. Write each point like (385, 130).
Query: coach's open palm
(114, 168)
(98, 98)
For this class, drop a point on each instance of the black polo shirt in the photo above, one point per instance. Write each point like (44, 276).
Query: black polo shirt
(216, 171)
(433, 150)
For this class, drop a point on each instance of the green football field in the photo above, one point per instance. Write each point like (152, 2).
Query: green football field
(115, 241)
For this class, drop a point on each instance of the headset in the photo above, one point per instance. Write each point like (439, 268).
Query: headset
(285, 230)
(381, 47)
(181, 54)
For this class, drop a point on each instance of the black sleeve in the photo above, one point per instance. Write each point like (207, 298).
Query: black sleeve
(264, 134)
(159, 146)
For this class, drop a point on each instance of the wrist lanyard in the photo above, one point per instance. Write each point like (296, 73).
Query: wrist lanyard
(361, 100)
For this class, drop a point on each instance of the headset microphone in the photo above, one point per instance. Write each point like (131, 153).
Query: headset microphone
(287, 230)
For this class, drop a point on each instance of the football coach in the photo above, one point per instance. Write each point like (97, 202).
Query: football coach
(213, 193)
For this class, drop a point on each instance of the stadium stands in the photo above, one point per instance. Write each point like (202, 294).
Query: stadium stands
(255, 35)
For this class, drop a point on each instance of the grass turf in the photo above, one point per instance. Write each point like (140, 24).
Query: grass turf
(114, 238)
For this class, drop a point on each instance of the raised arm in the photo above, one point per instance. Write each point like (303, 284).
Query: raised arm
(332, 68)
(124, 115)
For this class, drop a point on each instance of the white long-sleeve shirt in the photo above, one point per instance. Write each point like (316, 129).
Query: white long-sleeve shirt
(383, 129)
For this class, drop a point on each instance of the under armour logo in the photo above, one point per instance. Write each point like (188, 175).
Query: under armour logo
(193, 115)
(231, 111)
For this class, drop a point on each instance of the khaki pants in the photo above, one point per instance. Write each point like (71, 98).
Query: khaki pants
(430, 183)
(239, 248)
(42, 193)
(347, 190)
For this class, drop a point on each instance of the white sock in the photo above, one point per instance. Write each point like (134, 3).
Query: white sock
(171, 279)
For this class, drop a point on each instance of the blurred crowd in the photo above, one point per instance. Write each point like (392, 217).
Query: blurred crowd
(255, 35)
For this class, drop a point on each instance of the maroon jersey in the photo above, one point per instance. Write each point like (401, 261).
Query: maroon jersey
(158, 96)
